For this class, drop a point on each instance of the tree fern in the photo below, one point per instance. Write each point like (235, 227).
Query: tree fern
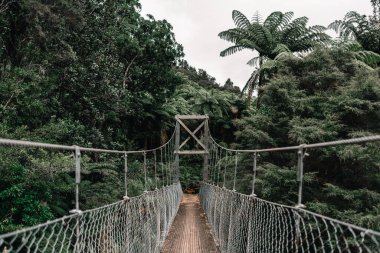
(355, 26)
(277, 34)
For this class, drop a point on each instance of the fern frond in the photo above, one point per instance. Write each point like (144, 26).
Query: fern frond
(241, 21)
(344, 29)
(233, 35)
(257, 18)
(252, 45)
(254, 61)
(286, 18)
(285, 56)
(252, 82)
(231, 50)
(370, 58)
(267, 66)
(280, 48)
(317, 28)
(273, 20)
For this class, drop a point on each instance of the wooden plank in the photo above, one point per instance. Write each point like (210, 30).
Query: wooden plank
(191, 152)
(191, 117)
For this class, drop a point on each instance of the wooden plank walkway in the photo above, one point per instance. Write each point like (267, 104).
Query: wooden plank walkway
(190, 232)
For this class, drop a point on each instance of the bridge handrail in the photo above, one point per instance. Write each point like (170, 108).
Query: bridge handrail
(22, 143)
(364, 230)
(372, 138)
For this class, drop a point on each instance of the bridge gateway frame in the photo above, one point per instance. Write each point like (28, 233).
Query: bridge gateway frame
(202, 142)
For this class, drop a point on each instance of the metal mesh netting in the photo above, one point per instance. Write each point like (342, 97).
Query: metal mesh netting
(243, 223)
(139, 224)
(151, 169)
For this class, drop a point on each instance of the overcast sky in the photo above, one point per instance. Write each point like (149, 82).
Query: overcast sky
(196, 24)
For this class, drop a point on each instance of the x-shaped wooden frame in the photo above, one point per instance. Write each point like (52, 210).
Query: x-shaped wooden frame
(180, 119)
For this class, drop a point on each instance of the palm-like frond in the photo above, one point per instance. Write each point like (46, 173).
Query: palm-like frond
(277, 20)
(351, 26)
(280, 48)
(359, 27)
(257, 18)
(241, 21)
(254, 61)
(286, 19)
(252, 82)
(233, 35)
(273, 20)
(267, 66)
(260, 35)
(249, 44)
(231, 50)
(285, 56)
(369, 58)
(344, 29)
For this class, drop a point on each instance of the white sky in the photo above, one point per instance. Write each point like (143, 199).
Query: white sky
(196, 24)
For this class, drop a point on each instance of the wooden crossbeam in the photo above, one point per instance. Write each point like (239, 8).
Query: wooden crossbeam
(191, 117)
(191, 152)
(191, 133)
(194, 132)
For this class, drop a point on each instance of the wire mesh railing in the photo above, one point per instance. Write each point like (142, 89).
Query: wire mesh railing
(139, 224)
(133, 224)
(244, 223)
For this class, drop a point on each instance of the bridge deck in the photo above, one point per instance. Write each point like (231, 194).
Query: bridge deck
(189, 232)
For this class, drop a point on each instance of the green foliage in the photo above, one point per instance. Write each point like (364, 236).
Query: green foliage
(92, 73)
(277, 34)
(322, 97)
(364, 30)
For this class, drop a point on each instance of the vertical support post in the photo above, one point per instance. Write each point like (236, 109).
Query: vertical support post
(176, 161)
(155, 168)
(166, 165)
(77, 177)
(254, 174)
(219, 156)
(162, 168)
(126, 176)
(145, 179)
(225, 170)
(301, 154)
(206, 156)
(77, 210)
(236, 161)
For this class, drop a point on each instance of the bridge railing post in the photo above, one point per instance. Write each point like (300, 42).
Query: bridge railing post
(254, 174)
(145, 174)
(235, 171)
(301, 155)
(155, 168)
(176, 148)
(206, 155)
(126, 176)
(77, 161)
(225, 170)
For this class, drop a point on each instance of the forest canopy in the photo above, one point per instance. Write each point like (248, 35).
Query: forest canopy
(99, 74)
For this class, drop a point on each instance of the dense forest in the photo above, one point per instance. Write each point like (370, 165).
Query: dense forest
(99, 74)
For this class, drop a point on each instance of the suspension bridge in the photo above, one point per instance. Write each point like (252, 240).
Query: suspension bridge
(163, 219)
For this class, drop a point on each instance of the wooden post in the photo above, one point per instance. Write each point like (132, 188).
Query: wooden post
(205, 157)
(176, 161)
